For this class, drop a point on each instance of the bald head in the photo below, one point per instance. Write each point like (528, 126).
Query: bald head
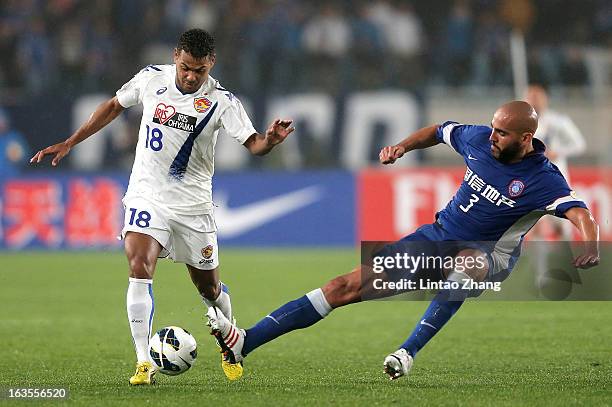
(517, 116)
(514, 125)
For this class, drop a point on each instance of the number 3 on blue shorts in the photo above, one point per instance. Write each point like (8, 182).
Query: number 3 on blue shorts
(141, 218)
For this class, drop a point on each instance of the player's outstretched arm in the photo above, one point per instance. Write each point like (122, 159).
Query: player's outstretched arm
(261, 144)
(103, 115)
(589, 230)
(423, 138)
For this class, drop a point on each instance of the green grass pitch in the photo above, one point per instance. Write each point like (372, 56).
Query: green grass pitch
(64, 325)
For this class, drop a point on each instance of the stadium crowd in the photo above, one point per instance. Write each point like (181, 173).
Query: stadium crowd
(77, 46)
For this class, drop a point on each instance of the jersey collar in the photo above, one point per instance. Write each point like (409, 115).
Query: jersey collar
(538, 146)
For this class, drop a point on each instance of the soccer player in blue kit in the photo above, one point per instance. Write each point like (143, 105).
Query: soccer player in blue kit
(509, 184)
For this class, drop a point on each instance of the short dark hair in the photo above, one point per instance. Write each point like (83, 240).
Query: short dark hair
(196, 42)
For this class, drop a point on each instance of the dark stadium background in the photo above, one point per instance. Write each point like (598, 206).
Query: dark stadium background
(355, 75)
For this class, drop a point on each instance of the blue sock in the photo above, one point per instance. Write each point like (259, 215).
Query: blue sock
(437, 314)
(297, 314)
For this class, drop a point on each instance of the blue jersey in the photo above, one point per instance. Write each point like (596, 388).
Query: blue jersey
(497, 201)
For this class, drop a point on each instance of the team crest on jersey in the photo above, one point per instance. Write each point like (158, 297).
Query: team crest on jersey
(516, 188)
(201, 104)
(168, 116)
(207, 253)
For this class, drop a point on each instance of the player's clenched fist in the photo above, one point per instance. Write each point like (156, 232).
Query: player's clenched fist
(278, 131)
(389, 154)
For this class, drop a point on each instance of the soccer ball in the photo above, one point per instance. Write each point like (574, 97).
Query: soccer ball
(172, 350)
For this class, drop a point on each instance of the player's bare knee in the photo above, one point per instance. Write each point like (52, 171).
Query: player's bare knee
(141, 267)
(343, 289)
(472, 262)
(206, 282)
(209, 290)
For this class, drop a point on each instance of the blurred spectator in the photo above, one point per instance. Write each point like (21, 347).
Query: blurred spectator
(573, 69)
(100, 47)
(258, 50)
(14, 15)
(14, 150)
(35, 57)
(327, 40)
(367, 50)
(288, 17)
(556, 130)
(456, 50)
(76, 46)
(602, 24)
(491, 62)
(174, 13)
(71, 54)
(202, 14)
(328, 32)
(404, 38)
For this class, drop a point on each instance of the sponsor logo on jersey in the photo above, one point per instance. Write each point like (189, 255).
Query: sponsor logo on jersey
(487, 191)
(168, 116)
(515, 188)
(161, 90)
(202, 104)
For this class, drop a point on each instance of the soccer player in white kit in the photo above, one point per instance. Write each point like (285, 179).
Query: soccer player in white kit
(168, 203)
(563, 139)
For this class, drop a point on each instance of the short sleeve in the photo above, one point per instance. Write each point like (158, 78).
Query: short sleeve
(236, 122)
(562, 204)
(131, 93)
(456, 135)
(561, 197)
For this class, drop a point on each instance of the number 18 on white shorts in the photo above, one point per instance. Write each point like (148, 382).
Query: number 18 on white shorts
(189, 239)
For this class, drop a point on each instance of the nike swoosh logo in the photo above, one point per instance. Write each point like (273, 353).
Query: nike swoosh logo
(472, 158)
(237, 221)
(428, 324)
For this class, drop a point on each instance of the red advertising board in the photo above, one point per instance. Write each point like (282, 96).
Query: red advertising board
(393, 203)
(61, 212)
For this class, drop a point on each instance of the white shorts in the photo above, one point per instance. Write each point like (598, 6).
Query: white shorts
(189, 239)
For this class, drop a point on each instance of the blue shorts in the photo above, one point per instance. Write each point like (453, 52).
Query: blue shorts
(432, 241)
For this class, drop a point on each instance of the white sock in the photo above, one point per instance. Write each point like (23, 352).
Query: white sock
(319, 302)
(140, 307)
(223, 302)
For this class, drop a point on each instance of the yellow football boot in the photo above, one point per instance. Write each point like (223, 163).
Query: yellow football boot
(233, 371)
(144, 374)
(230, 339)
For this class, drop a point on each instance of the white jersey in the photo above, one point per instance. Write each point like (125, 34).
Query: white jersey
(561, 136)
(174, 161)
